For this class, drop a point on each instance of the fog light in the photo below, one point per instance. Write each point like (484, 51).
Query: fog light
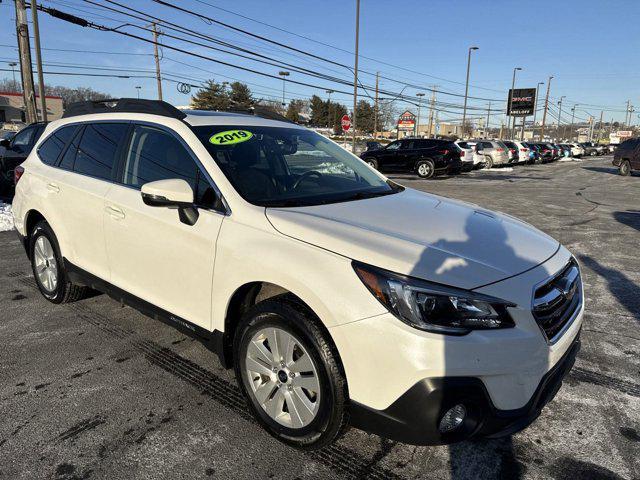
(453, 418)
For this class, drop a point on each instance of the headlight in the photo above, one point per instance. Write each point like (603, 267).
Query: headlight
(433, 307)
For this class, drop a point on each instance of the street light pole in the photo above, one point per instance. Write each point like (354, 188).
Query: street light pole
(546, 106)
(138, 87)
(13, 65)
(573, 114)
(466, 88)
(419, 95)
(355, 79)
(513, 85)
(329, 92)
(283, 74)
(535, 110)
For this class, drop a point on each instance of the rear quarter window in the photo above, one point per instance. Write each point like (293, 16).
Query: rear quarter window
(52, 147)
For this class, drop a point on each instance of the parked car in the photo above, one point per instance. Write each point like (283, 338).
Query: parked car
(338, 296)
(601, 149)
(425, 157)
(546, 152)
(466, 156)
(514, 156)
(523, 151)
(373, 145)
(566, 150)
(13, 126)
(589, 149)
(577, 150)
(478, 158)
(534, 152)
(493, 151)
(627, 156)
(16, 149)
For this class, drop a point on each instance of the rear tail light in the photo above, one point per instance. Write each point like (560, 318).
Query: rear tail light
(443, 152)
(523, 149)
(17, 173)
(499, 149)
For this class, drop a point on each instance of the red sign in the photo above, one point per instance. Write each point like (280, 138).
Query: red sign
(407, 121)
(346, 123)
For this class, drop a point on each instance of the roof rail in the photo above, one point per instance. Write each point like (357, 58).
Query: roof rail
(258, 111)
(123, 105)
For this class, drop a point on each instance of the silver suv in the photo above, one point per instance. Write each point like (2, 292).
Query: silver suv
(493, 151)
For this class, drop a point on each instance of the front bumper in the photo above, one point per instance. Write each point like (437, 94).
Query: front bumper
(414, 417)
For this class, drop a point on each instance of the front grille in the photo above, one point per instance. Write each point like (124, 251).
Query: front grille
(557, 300)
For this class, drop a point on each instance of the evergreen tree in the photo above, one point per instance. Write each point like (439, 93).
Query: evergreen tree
(294, 110)
(318, 112)
(240, 95)
(365, 117)
(213, 96)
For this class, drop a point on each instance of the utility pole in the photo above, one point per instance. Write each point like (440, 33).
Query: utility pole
(600, 126)
(36, 39)
(626, 113)
(546, 106)
(513, 85)
(155, 53)
(560, 111)
(466, 89)
(419, 95)
(535, 111)
(355, 79)
(26, 72)
(573, 114)
(375, 111)
(433, 102)
(486, 126)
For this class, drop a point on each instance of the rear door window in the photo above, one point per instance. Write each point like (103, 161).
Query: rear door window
(52, 147)
(96, 153)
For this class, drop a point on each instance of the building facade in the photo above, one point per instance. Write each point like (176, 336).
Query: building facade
(12, 107)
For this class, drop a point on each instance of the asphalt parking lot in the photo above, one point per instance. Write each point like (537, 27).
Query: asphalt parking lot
(93, 390)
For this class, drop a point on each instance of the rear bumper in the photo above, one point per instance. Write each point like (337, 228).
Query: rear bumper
(414, 417)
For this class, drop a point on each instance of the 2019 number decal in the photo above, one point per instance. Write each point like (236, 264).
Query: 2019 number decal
(230, 137)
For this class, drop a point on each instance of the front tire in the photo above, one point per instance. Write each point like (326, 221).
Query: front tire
(625, 168)
(48, 269)
(425, 168)
(290, 374)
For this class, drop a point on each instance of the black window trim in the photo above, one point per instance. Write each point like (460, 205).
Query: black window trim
(56, 162)
(200, 167)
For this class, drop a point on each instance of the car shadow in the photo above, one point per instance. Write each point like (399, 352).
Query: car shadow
(625, 290)
(610, 170)
(486, 238)
(630, 218)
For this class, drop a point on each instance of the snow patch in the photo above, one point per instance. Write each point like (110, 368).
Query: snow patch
(6, 217)
(499, 170)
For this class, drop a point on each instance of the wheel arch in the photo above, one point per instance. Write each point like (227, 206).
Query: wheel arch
(31, 219)
(252, 293)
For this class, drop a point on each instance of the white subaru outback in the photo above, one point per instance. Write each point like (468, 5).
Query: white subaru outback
(339, 297)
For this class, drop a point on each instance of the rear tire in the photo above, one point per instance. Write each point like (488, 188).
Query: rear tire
(488, 162)
(48, 268)
(425, 168)
(372, 163)
(277, 384)
(625, 168)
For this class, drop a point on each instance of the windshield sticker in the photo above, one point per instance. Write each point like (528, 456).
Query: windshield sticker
(231, 137)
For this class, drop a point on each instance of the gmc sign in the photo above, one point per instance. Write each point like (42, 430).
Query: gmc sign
(523, 103)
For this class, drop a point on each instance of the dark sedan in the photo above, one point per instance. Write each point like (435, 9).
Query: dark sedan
(15, 151)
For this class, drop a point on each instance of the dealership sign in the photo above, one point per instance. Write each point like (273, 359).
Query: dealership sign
(521, 102)
(407, 121)
(624, 133)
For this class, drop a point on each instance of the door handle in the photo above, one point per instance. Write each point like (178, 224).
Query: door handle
(115, 212)
(53, 188)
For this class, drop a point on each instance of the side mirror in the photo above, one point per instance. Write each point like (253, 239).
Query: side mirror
(171, 193)
(5, 142)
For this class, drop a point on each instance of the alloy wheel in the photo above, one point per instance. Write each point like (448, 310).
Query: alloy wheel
(46, 266)
(424, 170)
(283, 378)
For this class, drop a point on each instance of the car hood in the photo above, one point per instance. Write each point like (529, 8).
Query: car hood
(421, 235)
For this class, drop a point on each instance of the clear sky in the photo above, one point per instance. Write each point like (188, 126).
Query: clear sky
(590, 47)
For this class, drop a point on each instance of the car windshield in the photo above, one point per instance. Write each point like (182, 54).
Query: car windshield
(290, 167)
